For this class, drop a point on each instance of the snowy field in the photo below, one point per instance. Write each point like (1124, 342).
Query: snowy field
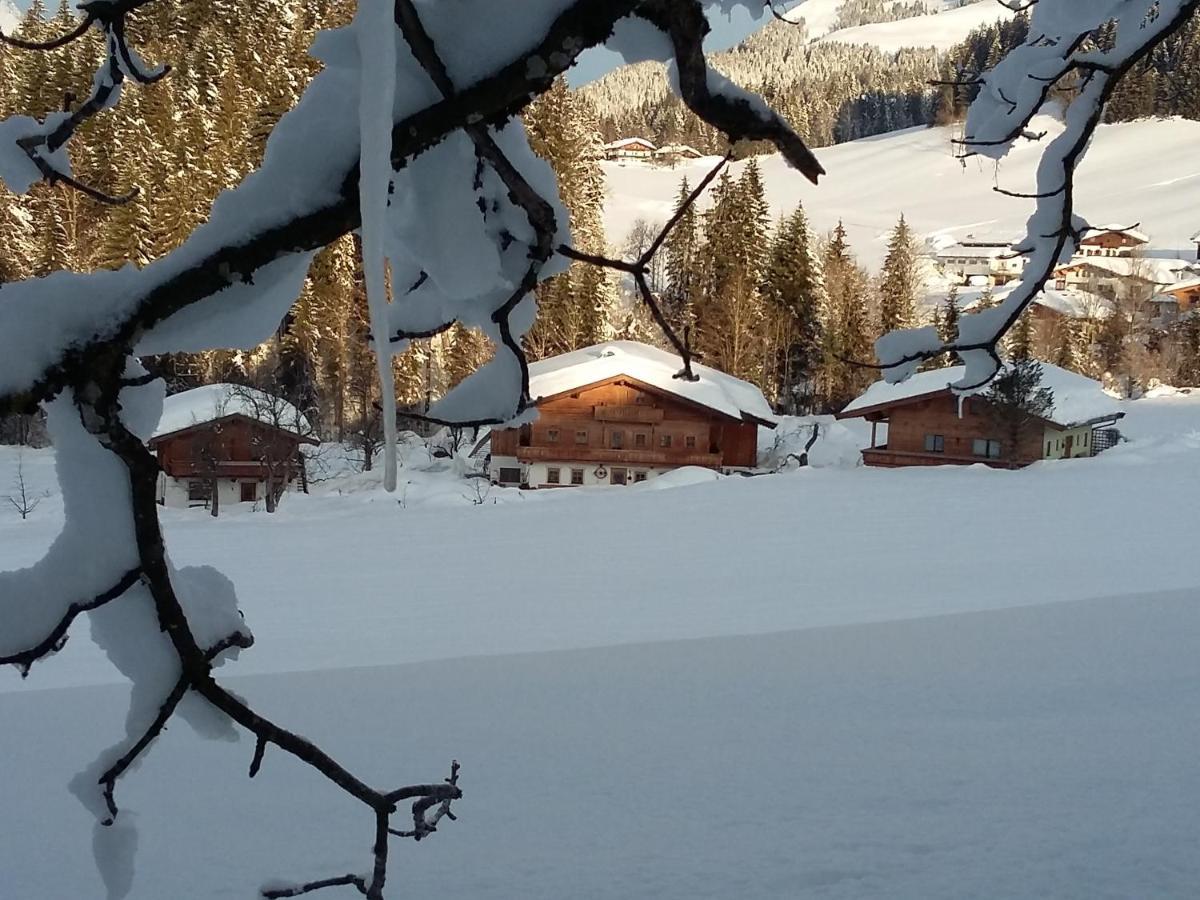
(828, 683)
(871, 181)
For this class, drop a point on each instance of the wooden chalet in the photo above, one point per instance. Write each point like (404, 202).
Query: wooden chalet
(1111, 240)
(222, 444)
(615, 414)
(925, 424)
(629, 148)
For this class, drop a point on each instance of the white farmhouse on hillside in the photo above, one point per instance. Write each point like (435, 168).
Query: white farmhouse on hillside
(980, 260)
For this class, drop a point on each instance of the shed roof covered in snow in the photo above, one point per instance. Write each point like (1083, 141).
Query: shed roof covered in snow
(212, 402)
(1077, 399)
(714, 390)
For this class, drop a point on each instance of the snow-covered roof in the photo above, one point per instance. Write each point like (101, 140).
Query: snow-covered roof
(629, 142)
(1132, 233)
(1076, 398)
(715, 390)
(1076, 304)
(681, 149)
(1186, 284)
(1159, 271)
(215, 401)
(974, 251)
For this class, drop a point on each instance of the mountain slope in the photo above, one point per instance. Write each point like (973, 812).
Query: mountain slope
(871, 181)
(941, 30)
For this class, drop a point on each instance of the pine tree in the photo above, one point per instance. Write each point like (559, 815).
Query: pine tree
(947, 322)
(1019, 340)
(680, 252)
(900, 281)
(792, 288)
(1017, 404)
(846, 336)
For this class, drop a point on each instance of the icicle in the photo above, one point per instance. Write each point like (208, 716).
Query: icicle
(376, 28)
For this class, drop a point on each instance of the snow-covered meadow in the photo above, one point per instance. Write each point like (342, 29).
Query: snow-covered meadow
(832, 682)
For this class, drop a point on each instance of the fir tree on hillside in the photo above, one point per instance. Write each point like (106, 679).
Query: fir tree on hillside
(900, 282)
(846, 333)
(575, 307)
(793, 288)
(681, 264)
(947, 322)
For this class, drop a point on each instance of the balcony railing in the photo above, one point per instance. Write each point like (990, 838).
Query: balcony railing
(598, 455)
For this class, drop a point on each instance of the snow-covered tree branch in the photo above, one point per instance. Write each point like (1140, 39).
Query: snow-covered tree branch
(1061, 51)
(406, 133)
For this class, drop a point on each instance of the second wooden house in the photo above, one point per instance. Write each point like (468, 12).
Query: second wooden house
(922, 422)
(616, 414)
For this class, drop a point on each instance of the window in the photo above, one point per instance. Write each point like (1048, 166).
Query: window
(510, 475)
(577, 476)
(249, 491)
(199, 490)
(664, 440)
(639, 476)
(983, 447)
(690, 442)
(935, 443)
(553, 475)
(639, 439)
(552, 435)
(617, 440)
(620, 476)
(581, 436)
(1048, 446)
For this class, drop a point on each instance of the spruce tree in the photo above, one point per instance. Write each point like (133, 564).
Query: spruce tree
(792, 288)
(680, 252)
(900, 281)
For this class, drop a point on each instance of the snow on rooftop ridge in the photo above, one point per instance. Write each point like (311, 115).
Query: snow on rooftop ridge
(628, 142)
(715, 390)
(215, 401)
(1097, 230)
(1076, 397)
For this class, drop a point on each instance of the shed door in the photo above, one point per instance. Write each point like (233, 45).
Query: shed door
(1068, 443)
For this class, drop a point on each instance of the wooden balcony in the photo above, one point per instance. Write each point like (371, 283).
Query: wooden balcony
(600, 455)
(627, 414)
(882, 456)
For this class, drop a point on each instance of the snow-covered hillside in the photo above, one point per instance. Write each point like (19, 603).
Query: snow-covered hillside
(941, 30)
(10, 16)
(938, 683)
(872, 181)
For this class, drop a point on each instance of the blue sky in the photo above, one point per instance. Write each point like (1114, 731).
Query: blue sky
(727, 31)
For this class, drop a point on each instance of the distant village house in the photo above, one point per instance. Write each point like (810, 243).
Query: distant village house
(225, 444)
(629, 148)
(925, 424)
(616, 414)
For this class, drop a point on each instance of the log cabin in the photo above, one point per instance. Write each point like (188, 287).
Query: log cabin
(925, 424)
(225, 444)
(616, 414)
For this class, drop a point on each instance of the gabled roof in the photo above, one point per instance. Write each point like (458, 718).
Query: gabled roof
(214, 402)
(724, 394)
(1131, 233)
(1149, 269)
(629, 142)
(1187, 284)
(1077, 399)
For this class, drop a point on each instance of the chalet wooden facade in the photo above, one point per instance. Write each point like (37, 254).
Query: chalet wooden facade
(921, 422)
(220, 445)
(1112, 240)
(614, 414)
